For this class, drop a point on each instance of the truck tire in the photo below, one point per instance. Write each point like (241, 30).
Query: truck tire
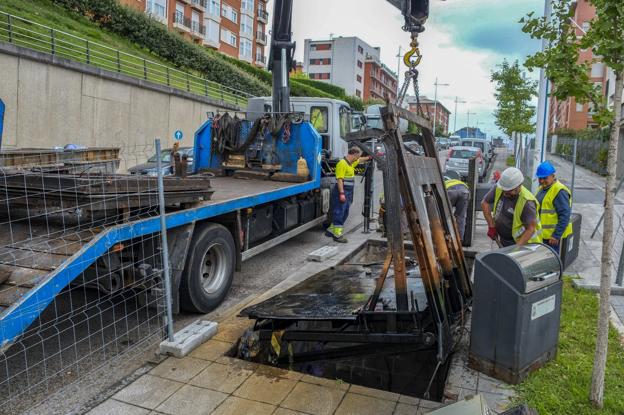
(209, 269)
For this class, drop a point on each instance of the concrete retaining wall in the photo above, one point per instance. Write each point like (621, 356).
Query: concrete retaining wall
(52, 102)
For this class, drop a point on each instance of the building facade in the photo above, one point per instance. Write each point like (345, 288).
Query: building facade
(234, 27)
(569, 114)
(428, 108)
(352, 64)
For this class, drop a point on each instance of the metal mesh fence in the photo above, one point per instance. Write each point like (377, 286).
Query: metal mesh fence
(591, 154)
(80, 264)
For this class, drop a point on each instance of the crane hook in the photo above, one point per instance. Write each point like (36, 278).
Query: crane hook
(413, 57)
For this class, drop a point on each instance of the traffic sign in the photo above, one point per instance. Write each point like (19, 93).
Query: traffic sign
(178, 135)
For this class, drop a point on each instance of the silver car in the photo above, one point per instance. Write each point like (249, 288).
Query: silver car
(458, 158)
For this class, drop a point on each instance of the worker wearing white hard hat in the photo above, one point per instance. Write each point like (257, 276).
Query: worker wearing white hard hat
(510, 210)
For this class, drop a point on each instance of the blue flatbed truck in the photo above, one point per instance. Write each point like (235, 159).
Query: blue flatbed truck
(207, 241)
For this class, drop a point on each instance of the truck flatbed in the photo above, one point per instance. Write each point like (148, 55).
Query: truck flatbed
(38, 260)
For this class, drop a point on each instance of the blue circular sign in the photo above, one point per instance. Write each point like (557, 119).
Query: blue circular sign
(178, 135)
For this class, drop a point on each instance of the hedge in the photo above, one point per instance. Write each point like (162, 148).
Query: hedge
(152, 35)
(323, 86)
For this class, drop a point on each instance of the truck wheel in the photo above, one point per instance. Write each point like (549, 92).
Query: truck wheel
(209, 269)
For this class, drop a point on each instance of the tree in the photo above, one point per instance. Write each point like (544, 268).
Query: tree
(514, 113)
(570, 78)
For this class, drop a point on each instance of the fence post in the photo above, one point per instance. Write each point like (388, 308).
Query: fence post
(88, 53)
(118, 62)
(52, 42)
(188, 83)
(168, 78)
(145, 69)
(165, 247)
(221, 90)
(10, 27)
(620, 270)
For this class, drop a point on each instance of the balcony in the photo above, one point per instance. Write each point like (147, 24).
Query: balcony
(261, 60)
(261, 38)
(199, 5)
(156, 11)
(180, 23)
(263, 16)
(198, 31)
(211, 43)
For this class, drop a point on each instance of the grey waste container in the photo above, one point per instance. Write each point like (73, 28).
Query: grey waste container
(516, 310)
(570, 245)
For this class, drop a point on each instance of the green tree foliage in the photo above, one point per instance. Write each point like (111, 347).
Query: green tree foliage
(513, 94)
(570, 78)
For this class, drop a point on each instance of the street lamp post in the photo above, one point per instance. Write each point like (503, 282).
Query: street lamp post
(435, 104)
(457, 101)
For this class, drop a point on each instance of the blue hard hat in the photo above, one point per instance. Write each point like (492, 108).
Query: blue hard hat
(545, 169)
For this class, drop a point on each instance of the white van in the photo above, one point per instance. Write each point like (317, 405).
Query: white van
(483, 144)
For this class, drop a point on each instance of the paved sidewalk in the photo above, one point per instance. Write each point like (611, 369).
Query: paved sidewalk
(209, 382)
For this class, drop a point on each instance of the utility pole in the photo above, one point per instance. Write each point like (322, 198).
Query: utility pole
(468, 113)
(457, 101)
(435, 104)
(542, 106)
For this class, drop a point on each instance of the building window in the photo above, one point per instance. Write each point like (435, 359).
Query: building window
(321, 46)
(158, 8)
(214, 7)
(358, 93)
(579, 107)
(247, 6)
(586, 25)
(246, 25)
(228, 12)
(360, 49)
(212, 31)
(259, 53)
(597, 70)
(358, 78)
(228, 37)
(359, 64)
(245, 49)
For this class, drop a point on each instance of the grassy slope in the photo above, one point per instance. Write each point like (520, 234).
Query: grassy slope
(562, 386)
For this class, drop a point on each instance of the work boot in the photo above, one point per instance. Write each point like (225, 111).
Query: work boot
(340, 239)
(330, 231)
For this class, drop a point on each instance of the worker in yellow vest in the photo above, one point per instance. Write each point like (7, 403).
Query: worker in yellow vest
(459, 195)
(555, 201)
(510, 210)
(342, 193)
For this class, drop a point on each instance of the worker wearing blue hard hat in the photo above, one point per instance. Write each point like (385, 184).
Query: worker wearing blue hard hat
(555, 206)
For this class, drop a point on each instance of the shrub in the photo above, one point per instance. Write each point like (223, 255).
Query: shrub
(152, 35)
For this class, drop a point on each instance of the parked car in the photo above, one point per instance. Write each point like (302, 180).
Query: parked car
(458, 158)
(150, 166)
(483, 144)
(442, 143)
(454, 140)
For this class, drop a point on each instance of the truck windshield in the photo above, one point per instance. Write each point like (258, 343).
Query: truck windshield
(345, 121)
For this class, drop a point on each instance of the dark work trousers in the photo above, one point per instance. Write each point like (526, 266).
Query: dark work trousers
(340, 211)
(459, 196)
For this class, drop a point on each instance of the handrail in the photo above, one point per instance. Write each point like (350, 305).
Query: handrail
(32, 35)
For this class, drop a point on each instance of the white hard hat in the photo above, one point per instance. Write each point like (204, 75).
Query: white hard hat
(510, 179)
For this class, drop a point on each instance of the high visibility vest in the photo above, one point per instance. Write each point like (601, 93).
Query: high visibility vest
(346, 171)
(548, 214)
(517, 226)
(453, 182)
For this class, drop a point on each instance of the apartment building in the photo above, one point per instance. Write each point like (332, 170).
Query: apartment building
(569, 114)
(234, 27)
(352, 64)
(429, 107)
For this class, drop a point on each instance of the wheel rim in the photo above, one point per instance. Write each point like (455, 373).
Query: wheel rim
(214, 268)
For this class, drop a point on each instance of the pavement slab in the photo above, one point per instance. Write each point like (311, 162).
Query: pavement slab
(211, 350)
(264, 388)
(180, 370)
(191, 400)
(222, 378)
(405, 409)
(237, 406)
(354, 403)
(313, 399)
(113, 407)
(148, 391)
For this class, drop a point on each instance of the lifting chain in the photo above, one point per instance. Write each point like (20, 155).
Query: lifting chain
(411, 59)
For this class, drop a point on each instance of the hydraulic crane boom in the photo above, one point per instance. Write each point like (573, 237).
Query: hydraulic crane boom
(281, 54)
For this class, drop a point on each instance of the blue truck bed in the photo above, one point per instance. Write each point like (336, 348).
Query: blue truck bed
(41, 263)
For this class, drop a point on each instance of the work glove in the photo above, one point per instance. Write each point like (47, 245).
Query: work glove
(491, 233)
(342, 198)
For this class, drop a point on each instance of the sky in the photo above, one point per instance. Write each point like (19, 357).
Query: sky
(463, 42)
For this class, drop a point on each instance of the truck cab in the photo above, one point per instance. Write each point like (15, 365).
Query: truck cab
(332, 119)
